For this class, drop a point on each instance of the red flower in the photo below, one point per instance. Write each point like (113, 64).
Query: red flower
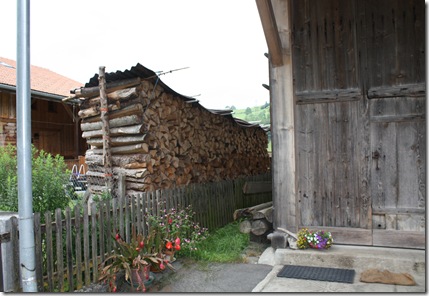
(114, 289)
(141, 244)
(177, 241)
(170, 221)
(177, 247)
(161, 266)
(118, 236)
(168, 245)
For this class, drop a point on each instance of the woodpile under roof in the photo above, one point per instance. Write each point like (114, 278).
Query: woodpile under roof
(161, 139)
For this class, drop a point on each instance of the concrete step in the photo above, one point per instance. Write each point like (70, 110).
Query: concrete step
(355, 257)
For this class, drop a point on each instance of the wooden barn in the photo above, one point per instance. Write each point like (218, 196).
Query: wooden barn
(348, 101)
(54, 124)
(160, 139)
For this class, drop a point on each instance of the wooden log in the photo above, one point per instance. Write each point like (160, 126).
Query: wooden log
(122, 94)
(115, 122)
(260, 226)
(118, 131)
(266, 213)
(130, 110)
(246, 212)
(118, 160)
(128, 149)
(245, 226)
(95, 110)
(117, 141)
(110, 87)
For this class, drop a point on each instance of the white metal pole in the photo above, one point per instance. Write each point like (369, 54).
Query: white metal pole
(25, 193)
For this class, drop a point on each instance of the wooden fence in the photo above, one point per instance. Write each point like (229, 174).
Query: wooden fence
(71, 243)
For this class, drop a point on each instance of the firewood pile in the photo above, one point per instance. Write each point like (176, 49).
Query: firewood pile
(160, 139)
(256, 220)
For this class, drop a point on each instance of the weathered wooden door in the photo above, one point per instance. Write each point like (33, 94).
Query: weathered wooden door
(395, 75)
(360, 127)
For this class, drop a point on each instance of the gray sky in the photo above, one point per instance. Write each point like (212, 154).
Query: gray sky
(221, 41)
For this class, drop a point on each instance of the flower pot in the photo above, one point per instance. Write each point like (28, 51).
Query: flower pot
(169, 256)
(140, 277)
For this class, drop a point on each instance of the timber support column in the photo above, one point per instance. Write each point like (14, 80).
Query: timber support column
(276, 21)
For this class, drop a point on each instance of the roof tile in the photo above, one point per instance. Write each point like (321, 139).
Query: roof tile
(42, 79)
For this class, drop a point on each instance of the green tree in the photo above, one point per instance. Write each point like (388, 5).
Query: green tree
(248, 110)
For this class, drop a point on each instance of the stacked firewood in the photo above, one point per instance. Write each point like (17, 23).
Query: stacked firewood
(159, 140)
(256, 220)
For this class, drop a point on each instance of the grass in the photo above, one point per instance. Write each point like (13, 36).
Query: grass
(224, 245)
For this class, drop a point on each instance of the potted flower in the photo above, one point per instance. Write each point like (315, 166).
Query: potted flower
(134, 259)
(315, 239)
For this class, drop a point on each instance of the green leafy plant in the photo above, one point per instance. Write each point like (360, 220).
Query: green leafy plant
(315, 239)
(49, 176)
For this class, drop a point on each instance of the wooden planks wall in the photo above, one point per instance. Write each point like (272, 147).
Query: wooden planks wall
(359, 80)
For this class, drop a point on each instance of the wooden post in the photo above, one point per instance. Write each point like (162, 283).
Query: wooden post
(283, 126)
(107, 155)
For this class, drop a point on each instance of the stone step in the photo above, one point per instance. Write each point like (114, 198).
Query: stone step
(355, 257)
(346, 256)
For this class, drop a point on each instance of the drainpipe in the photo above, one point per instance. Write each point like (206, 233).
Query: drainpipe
(25, 194)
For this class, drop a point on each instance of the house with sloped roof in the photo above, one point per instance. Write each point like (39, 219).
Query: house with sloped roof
(54, 123)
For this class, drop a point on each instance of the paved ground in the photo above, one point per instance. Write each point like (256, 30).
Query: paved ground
(262, 264)
(211, 277)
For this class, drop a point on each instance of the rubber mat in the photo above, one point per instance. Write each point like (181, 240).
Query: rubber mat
(317, 273)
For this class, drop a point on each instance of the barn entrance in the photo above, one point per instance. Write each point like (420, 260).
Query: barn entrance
(360, 120)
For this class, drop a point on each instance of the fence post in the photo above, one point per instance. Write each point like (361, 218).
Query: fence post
(6, 251)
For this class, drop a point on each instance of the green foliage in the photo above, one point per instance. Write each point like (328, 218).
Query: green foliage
(8, 179)
(49, 174)
(224, 245)
(259, 114)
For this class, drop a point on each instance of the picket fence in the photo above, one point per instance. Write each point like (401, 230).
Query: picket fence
(71, 243)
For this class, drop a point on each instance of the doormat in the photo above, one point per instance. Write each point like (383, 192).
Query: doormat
(318, 273)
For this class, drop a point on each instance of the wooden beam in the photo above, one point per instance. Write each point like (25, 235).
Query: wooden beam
(107, 153)
(286, 212)
(271, 32)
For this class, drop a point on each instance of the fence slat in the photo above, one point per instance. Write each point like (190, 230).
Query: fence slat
(108, 228)
(133, 212)
(139, 206)
(127, 218)
(38, 251)
(69, 250)
(94, 242)
(78, 247)
(59, 243)
(121, 216)
(101, 229)
(115, 215)
(49, 251)
(15, 253)
(86, 257)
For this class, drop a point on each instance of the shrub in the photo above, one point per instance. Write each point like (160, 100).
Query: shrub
(49, 175)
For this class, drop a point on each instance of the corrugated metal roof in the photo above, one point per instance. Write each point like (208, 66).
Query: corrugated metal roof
(139, 71)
